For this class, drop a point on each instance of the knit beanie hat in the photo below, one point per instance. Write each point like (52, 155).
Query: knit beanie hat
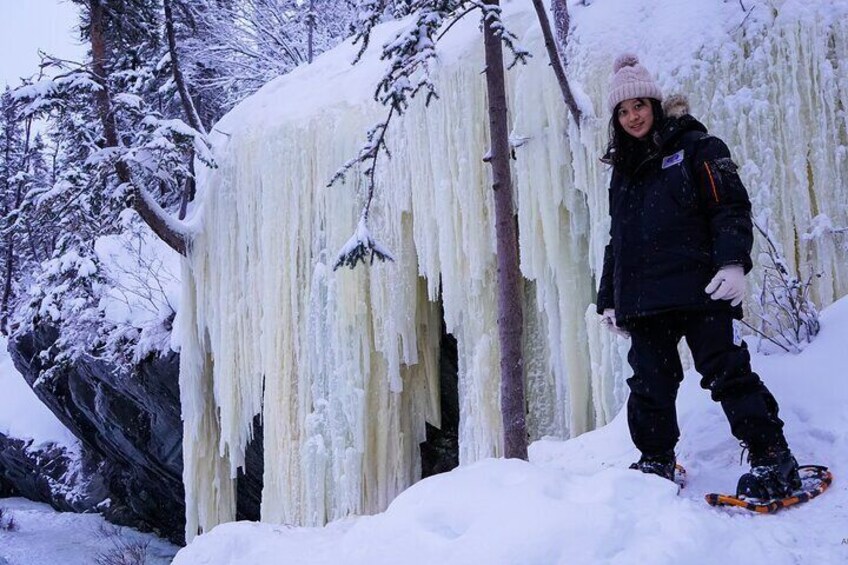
(631, 80)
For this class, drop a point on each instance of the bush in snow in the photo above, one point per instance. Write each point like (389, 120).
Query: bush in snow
(123, 550)
(788, 316)
(7, 521)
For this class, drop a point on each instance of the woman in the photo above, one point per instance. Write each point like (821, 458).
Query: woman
(680, 244)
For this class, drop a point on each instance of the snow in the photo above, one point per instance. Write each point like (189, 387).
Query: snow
(144, 277)
(362, 239)
(45, 537)
(22, 414)
(266, 327)
(576, 502)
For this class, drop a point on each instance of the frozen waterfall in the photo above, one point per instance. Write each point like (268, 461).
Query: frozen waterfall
(343, 366)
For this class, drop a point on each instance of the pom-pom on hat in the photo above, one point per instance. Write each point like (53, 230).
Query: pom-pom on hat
(631, 80)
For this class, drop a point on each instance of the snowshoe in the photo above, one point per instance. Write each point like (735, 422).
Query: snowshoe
(813, 479)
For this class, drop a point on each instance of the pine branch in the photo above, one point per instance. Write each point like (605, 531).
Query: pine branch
(409, 55)
(360, 246)
(492, 18)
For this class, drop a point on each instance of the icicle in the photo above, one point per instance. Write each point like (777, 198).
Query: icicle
(209, 490)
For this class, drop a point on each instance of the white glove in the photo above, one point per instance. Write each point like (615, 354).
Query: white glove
(728, 284)
(608, 321)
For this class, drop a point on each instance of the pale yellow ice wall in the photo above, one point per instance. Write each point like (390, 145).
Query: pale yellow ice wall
(343, 365)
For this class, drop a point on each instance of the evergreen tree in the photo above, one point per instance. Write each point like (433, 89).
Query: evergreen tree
(233, 47)
(12, 175)
(117, 140)
(117, 137)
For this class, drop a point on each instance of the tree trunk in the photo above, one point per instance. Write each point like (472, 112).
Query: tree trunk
(188, 105)
(7, 286)
(9, 243)
(561, 20)
(146, 207)
(10, 269)
(310, 30)
(11, 122)
(510, 315)
(98, 65)
(19, 195)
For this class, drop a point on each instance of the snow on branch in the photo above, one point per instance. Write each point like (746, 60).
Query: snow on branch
(134, 142)
(821, 226)
(789, 317)
(492, 14)
(409, 54)
(359, 247)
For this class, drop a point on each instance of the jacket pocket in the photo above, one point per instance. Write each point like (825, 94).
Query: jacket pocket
(681, 186)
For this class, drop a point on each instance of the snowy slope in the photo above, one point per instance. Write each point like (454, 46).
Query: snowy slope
(575, 501)
(22, 414)
(42, 536)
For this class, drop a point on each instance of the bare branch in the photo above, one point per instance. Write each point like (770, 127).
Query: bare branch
(554, 55)
(763, 335)
(409, 54)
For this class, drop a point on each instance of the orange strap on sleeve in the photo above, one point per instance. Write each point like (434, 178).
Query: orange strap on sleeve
(712, 181)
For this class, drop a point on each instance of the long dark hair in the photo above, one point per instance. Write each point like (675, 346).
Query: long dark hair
(625, 151)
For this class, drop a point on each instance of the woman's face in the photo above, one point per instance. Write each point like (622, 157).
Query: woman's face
(636, 116)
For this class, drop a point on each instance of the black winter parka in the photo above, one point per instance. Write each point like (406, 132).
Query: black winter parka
(681, 216)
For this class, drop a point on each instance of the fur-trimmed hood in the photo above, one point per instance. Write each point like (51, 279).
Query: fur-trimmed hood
(677, 120)
(676, 106)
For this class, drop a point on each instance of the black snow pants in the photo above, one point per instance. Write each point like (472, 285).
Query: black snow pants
(725, 369)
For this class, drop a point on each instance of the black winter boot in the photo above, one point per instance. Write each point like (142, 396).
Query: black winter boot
(662, 465)
(773, 475)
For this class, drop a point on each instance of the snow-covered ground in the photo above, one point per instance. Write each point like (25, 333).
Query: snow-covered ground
(576, 502)
(42, 536)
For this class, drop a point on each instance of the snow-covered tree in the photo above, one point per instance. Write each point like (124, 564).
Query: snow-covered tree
(117, 140)
(124, 127)
(12, 175)
(232, 47)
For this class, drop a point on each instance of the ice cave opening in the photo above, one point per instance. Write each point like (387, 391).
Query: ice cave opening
(440, 451)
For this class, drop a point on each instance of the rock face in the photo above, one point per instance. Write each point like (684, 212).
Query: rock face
(440, 453)
(128, 423)
(68, 481)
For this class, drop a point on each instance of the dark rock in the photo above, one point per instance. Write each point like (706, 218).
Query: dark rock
(69, 482)
(249, 485)
(440, 452)
(128, 421)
